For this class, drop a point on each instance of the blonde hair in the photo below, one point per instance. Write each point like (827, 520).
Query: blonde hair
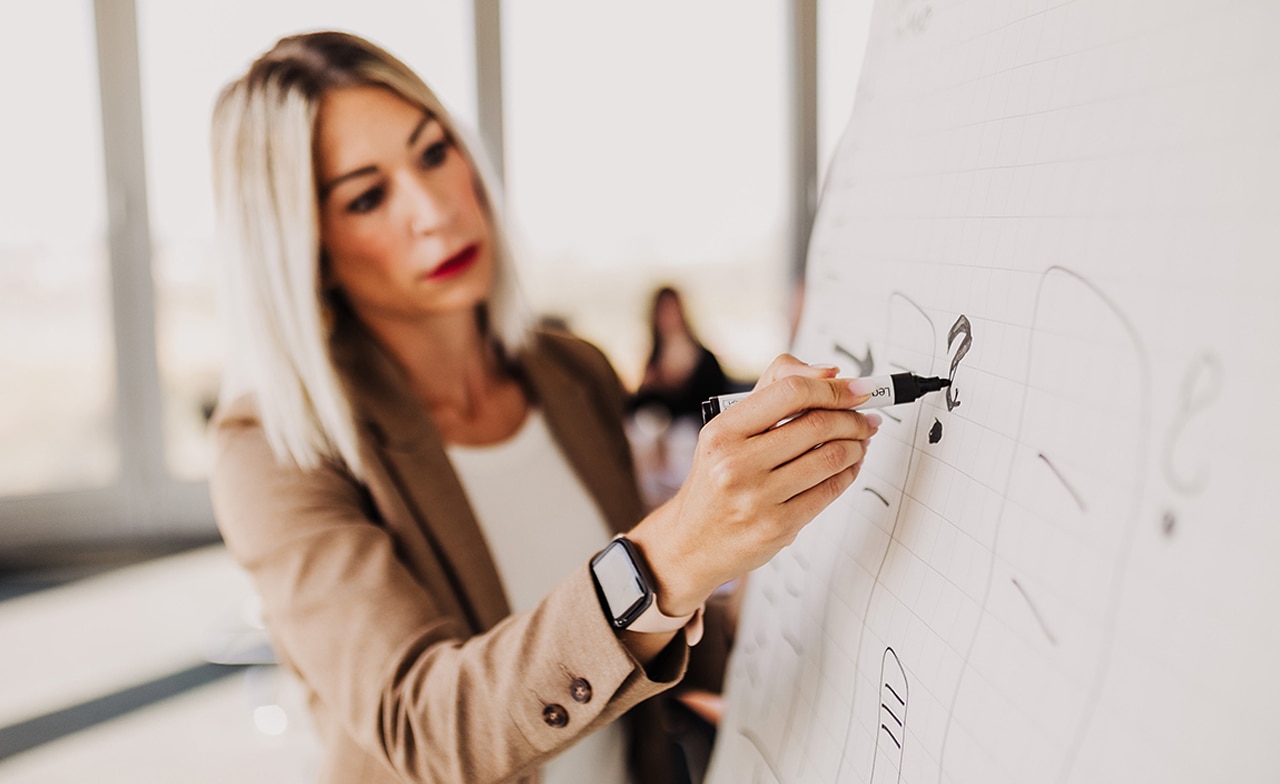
(269, 233)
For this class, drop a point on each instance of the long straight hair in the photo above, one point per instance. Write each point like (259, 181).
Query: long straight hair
(661, 294)
(265, 185)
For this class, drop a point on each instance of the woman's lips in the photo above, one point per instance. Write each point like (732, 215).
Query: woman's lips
(455, 264)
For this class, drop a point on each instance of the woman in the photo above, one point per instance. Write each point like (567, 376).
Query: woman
(666, 410)
(417, 485)
(681, 371)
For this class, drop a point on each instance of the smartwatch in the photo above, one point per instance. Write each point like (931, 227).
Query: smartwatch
(626, 591)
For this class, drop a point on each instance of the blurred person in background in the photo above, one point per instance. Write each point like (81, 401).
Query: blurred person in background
(681, 372)
(430, 495)
(666, 409)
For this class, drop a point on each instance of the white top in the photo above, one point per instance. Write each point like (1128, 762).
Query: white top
(541, 525)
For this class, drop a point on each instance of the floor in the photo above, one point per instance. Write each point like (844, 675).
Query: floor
(157, 671)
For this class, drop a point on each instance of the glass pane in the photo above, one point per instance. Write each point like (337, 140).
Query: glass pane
(842, 42)
(188, 52)
(57, 377)
(647, 142)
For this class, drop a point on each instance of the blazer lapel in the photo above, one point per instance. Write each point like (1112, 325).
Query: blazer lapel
(441, 519)
(583, 429)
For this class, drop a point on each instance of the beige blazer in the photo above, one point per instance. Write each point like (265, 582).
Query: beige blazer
(383, 597)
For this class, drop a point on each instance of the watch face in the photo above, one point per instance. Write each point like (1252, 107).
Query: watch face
(621, 583)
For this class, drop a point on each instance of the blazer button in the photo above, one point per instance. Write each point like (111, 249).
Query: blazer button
(580, 690)
(555, 716)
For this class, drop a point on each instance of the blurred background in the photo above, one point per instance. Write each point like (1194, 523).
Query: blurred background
(676, 142)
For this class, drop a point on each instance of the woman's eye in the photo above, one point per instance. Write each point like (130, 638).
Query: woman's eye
(366, 202)
(435, 154)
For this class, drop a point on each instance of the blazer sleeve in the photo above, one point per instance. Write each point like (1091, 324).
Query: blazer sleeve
(406, 680)
(708, 660)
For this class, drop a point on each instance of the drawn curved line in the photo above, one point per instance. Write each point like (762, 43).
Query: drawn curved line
(1210, 366)
(759, 747)
(866, 366)
(1035, 612)
(791, 640)
(1127, 540)
(894, 691)
(884, 556)
(889, 711)
(883, 500)
(1075, 495)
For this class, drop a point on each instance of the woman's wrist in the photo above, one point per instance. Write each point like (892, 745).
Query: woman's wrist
(677, 589)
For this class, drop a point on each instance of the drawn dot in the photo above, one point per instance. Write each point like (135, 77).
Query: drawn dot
(935, 432)
(1168, 523)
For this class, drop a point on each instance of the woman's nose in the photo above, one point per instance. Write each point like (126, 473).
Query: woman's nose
(429, 207)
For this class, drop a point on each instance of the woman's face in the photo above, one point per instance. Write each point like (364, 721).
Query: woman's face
(670, 316)
(400, 220)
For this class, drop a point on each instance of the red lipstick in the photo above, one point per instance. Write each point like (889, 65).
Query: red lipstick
(455, 264)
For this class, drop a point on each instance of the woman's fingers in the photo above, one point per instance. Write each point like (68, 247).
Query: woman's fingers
(799, 446)
(811, 428)
(816, 466)
(783, 399)
(809, 503)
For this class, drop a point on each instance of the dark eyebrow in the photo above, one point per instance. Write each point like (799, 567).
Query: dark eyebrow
(327, 188)
(413, 137)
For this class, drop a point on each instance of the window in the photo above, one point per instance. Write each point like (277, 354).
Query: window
(645, 144)
(842, 37)
(648, 143)
(57, 377)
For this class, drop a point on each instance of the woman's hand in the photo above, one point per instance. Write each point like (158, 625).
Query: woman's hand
(755, 483)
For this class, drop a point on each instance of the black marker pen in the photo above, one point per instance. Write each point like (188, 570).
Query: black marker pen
(885, 391)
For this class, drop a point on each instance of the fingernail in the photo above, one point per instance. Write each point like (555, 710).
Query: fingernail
(873, 419)
(862, 386)
(823, 366)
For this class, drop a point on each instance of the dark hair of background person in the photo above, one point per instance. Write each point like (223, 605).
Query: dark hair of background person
(678, 391)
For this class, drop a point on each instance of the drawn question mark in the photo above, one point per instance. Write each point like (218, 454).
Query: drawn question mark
(964, 330)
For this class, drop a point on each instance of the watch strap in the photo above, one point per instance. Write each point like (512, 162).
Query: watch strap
(652, 621)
